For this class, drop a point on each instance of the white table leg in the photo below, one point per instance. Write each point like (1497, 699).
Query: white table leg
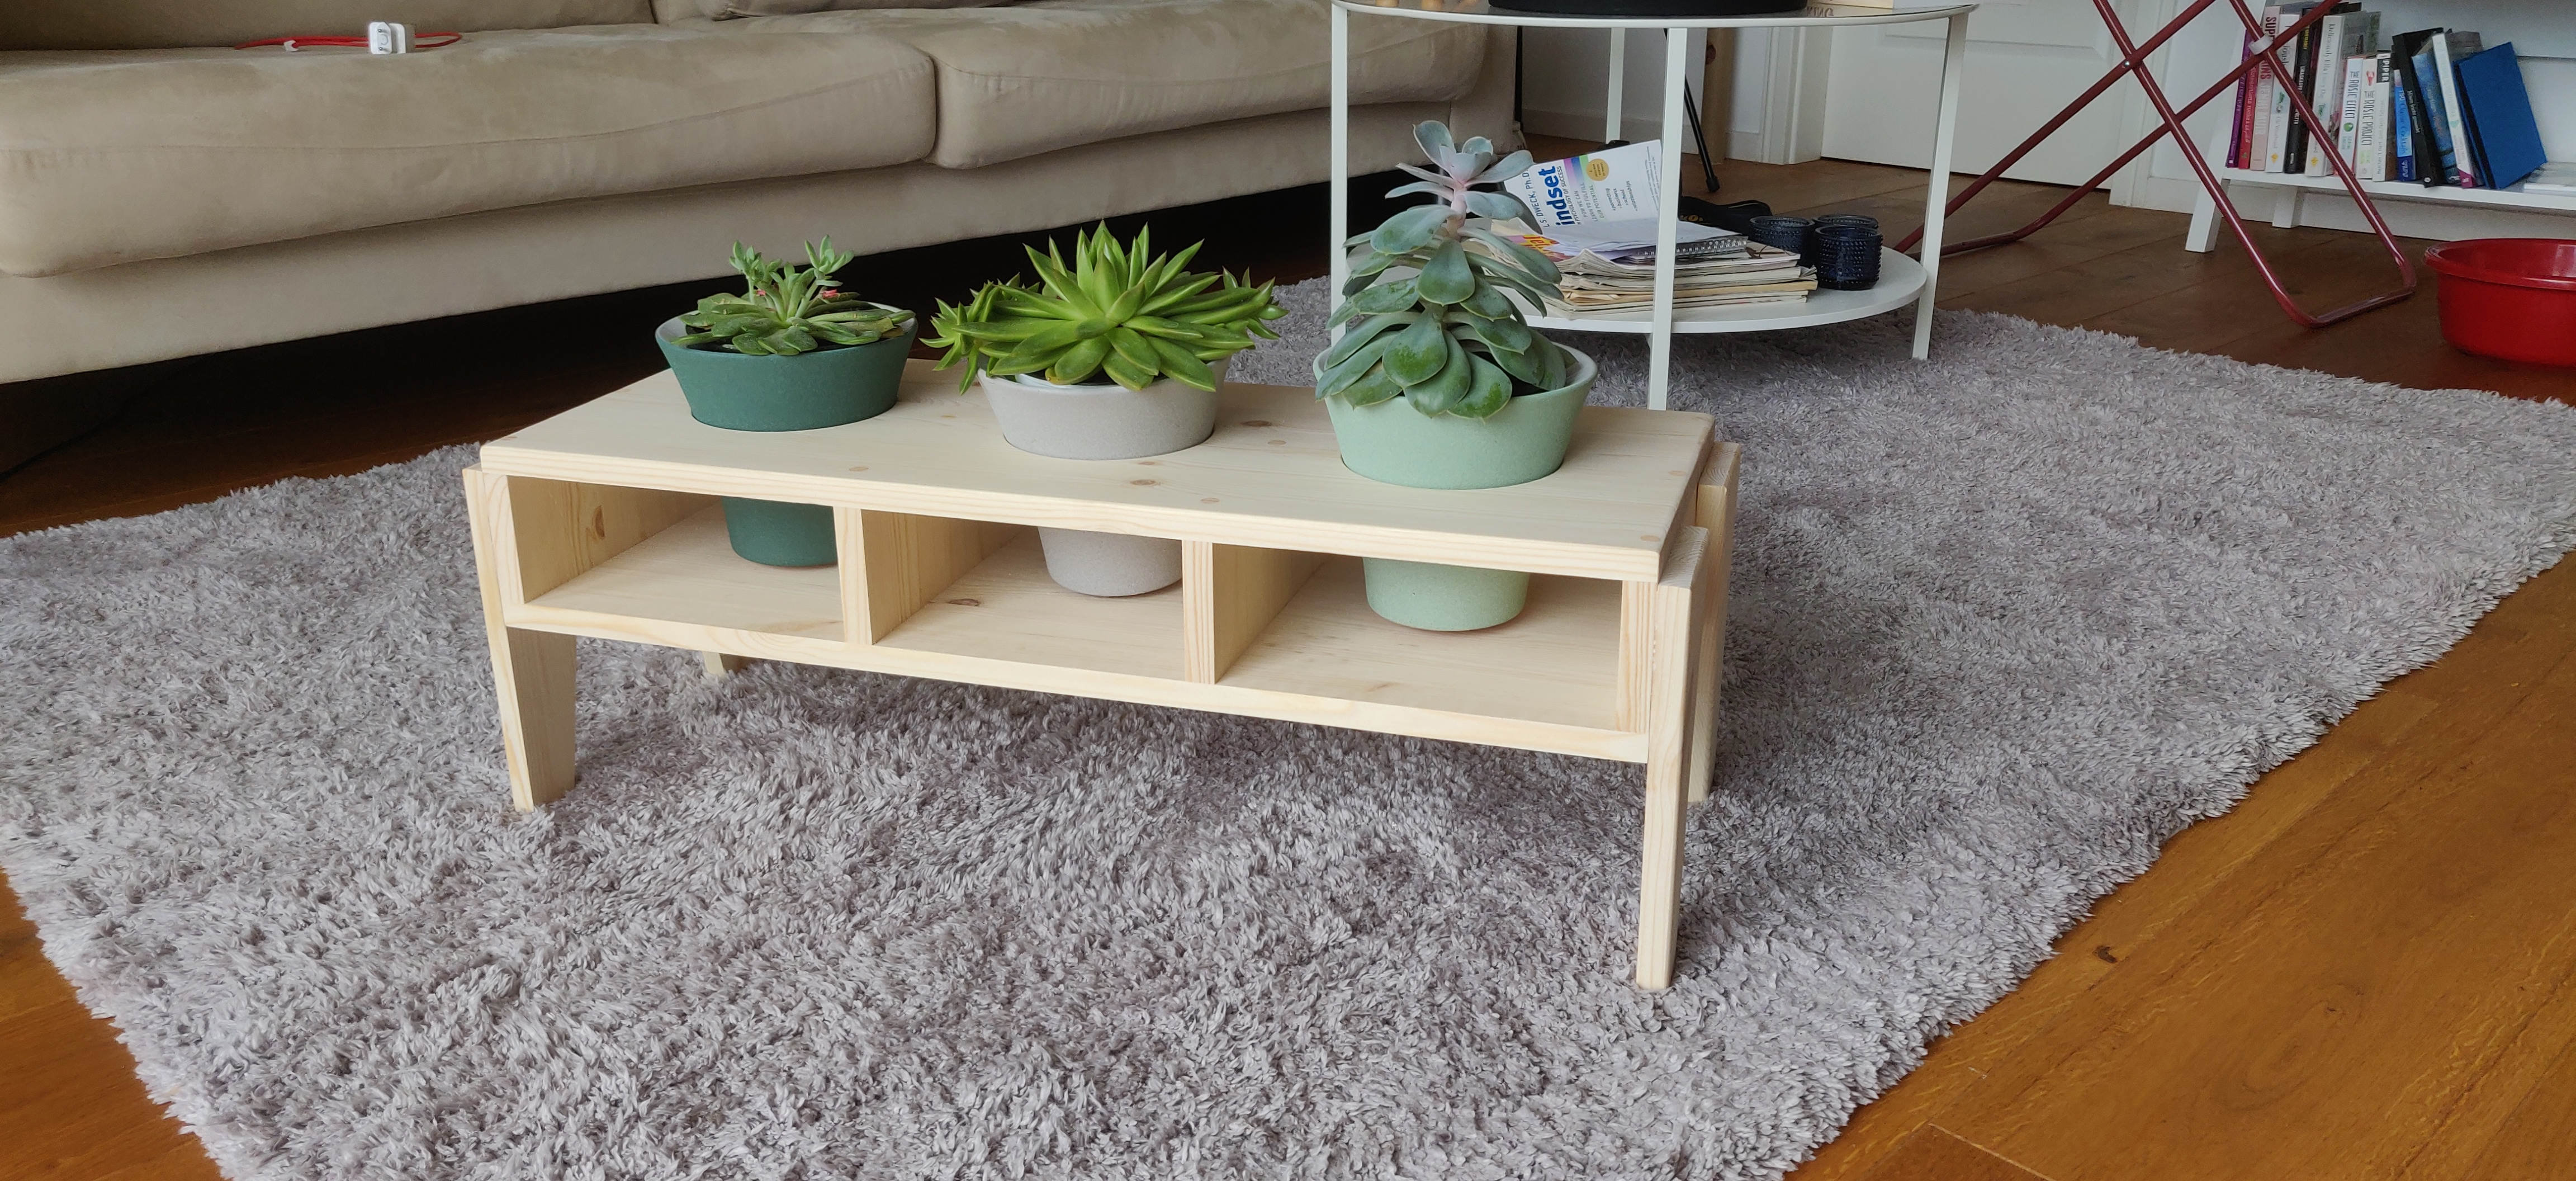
(1340, 218)
(2204, 224)
(1935, 204)
(1612, 124)
(1668, 204)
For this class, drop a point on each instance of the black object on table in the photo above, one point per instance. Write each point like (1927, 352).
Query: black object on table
(1793, 234)
(1847, 254)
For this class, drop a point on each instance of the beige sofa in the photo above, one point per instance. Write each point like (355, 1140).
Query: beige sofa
(160, 199)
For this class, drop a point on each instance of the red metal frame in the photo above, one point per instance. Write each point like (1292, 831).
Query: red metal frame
(2133, 64)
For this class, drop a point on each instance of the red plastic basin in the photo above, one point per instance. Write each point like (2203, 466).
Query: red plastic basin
(2511, 298)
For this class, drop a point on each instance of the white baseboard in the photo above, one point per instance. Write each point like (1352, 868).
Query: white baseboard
(2160, 192)
(1638, 129)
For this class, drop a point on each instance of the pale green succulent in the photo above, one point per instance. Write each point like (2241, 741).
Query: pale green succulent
(785, 311)
(1117, 310)
(1428, 317)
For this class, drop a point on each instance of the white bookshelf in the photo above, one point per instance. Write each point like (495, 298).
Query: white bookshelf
(2545, 39)
(2407, 190)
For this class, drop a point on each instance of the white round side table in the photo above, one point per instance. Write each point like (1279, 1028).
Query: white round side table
(1901, 279)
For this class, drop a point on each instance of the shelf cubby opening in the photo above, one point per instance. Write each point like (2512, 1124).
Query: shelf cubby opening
(640, 553)
(980, 589)
(1300, 623)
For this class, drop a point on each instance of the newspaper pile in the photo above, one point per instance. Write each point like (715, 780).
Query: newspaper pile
(1596, 224)
(1609, 272)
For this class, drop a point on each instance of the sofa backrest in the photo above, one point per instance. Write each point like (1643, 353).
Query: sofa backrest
(162, 24)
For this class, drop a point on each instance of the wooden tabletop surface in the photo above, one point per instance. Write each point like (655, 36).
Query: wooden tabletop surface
(1270, 476)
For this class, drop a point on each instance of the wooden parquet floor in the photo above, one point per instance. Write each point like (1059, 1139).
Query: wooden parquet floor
(2367, 970)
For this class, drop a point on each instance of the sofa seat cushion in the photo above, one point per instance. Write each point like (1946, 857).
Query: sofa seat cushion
(1052, 74)
(117, 156)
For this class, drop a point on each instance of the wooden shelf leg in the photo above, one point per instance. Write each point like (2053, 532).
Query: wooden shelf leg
(1715, 513)
(723, 664)
(1673, 663)
(531, 671)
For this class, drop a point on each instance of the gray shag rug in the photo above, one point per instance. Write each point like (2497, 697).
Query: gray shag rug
(2003, 623)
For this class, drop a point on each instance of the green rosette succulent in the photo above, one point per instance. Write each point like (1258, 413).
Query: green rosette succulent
(1116, 309)
(1428, 318)
(785, 310)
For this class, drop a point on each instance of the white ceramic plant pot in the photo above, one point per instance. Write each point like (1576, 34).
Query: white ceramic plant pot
(1106, 421)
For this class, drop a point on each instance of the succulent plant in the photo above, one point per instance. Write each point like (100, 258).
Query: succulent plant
(785, 311)
(1117, 310)
(1428, 317)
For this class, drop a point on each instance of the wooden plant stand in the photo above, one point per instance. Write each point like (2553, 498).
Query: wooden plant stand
(602, 521)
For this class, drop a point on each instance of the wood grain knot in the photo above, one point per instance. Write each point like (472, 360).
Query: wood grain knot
(965, 602)
(1144, 483)
(1256, 422)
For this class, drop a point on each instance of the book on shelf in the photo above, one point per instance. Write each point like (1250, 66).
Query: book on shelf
(2279, 85)
(2258, 138)
(2240, 129)
(2447, 50)
(2344, 34)
(2299, 92)
(2418, 127)
(2370, 126)
(2399, 125)
(2347, 121)
(2507, 130)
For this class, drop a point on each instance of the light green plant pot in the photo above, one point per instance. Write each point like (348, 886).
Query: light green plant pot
(775, 533)
(810, 391)
(1394, 443)
(1443, 598)
(1525, 440)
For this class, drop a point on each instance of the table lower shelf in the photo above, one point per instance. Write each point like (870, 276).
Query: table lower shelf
(1547, 680)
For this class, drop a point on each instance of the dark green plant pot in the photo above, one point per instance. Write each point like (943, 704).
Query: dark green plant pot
(1396, 444)
(833, 387)
(805, 392)
(774, 533)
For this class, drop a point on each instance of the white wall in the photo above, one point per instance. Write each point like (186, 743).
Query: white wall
(1565, 77)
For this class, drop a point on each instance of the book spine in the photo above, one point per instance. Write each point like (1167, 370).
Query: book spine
(2476, 140)
(2463, 155)
(2276, 90)
(2325, 93)
(2303, 91)
(2240, 130)
(2265, 94)
(2356, 76)
(2370, 127)
(2399, 127)
(2410, 54)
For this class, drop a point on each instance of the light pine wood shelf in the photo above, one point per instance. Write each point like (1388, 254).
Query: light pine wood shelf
(604, 522)
(1007, 609)
(689, 574)
(1558, 663)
